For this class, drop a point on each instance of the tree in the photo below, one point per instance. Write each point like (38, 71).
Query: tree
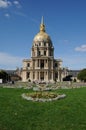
(3, 75)
(82, 75)
(68, 78)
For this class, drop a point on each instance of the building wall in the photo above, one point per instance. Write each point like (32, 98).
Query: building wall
(42, 66)
(50, 72)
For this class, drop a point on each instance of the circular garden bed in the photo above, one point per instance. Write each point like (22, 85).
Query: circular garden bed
(43, 96)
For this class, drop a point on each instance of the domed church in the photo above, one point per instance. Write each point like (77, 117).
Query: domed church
(42, 67)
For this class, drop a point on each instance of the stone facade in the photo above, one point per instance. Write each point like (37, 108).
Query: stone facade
(42, 67)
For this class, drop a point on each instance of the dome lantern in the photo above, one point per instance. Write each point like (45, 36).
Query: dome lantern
(42, 26)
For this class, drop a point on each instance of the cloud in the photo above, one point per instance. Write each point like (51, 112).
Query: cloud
(8, 61)
(7, 15)
(73, 61)
(82, 48)
(17, 4)
(65, 41)
(5, 3)
(20, 14)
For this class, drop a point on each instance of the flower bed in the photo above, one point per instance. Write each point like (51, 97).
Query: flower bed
(43, 96)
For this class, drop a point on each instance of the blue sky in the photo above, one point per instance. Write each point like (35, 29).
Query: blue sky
(65, 22)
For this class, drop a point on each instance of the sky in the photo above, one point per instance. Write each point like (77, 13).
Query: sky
(65, 22)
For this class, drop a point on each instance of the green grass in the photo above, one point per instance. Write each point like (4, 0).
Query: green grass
(19, 114)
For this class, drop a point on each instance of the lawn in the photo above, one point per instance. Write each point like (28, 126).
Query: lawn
(65, 114)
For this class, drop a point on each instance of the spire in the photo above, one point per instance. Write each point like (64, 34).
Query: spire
(42, 20)
(42, 26)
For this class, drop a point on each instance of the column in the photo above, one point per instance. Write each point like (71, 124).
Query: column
(39, 75)
(51, 64)
(47, 52)
(58, 76)
(31, 76)
(45, 75)
(38, 63)
(36, 75)
(52, 76)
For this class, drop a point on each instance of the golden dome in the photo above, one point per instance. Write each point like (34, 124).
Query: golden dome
(42, 36)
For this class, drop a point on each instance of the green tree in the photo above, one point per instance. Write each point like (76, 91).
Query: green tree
(82, 75)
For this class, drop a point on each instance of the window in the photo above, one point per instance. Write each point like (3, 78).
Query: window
(39, 53)
(50, 75)
(39, 44)
(38, 63)
(56, 75)
(44, 44)
(33, 75)
(28, 75)
(44, 53)
(38, 75)
(42, 63)
(56, 65)
(50, 53)
(28, 64)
